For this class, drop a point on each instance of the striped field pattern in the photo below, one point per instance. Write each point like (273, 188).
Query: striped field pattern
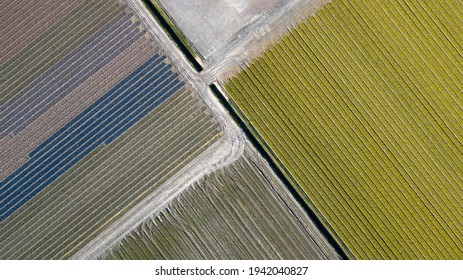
(93, 119)
(22, 21)
(362, 104)
(238, 212)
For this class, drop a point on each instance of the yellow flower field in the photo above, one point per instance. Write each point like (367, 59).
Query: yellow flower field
(363, 106)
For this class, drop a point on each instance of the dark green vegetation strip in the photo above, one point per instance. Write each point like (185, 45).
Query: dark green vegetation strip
(174, 33)
(238, 212)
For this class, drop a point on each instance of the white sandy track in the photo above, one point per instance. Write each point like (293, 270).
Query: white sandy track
(226, 150)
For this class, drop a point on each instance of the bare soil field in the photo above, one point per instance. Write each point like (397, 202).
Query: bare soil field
(209, 24)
